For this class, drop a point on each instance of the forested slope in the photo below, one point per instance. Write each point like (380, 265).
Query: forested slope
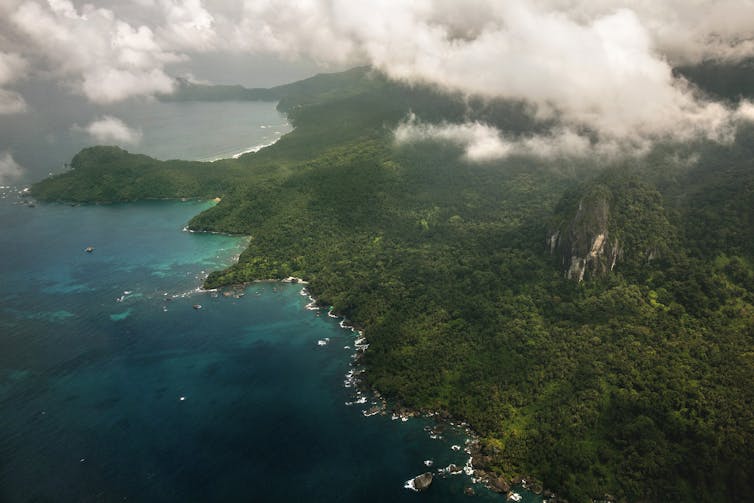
(635, 381)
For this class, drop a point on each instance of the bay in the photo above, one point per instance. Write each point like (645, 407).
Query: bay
(114, 387)
(45, 138)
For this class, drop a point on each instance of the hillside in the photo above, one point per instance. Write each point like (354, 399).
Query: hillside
(592, 320)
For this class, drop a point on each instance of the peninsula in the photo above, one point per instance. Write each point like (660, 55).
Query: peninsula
(592, 319)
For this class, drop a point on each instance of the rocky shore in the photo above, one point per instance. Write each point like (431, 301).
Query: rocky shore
(480, 456)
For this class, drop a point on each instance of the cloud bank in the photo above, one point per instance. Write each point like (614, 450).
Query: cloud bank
(99, 55)
(110, 129)
(605, 66)
(483, 143)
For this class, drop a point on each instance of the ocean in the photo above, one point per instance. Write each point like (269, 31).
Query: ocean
(121, 380)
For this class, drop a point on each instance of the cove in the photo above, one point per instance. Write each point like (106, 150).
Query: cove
(114, 387)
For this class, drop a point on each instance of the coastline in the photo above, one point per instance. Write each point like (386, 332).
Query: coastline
(250, 150)
(373, 403)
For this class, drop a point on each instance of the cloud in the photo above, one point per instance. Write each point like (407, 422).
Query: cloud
(480, 142)
(100, 55)
(110, 129)
(603, 66)
(12, 68)
(9, 169)
(606, 66)
(485, 143)
(188, 25)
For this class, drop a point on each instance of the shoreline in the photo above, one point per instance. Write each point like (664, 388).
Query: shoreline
(250, 150)
(374, 403)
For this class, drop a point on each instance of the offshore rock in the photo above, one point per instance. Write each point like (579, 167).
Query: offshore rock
(423, 481)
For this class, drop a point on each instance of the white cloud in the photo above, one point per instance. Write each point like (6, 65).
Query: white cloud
(9, 169)
(745, 111)
(12, 68)
(484, 143)
(480, 142)
(105, 58)
(188, 25)
(110, 129)
(603, 65)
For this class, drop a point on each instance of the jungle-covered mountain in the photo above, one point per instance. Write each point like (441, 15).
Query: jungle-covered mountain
(592, 318)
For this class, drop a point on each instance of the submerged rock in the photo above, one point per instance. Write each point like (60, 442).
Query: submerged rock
(423, 481)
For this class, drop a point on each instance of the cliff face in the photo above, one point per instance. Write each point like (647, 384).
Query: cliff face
(606, 224)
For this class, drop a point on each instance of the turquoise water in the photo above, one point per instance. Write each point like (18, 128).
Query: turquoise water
(114, 388)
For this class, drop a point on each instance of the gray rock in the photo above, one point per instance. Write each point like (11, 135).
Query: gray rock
(423, 481)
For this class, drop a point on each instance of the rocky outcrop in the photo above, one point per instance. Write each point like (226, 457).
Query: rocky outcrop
(584, 242)
(617, 220)
(423, 481)
(499, 484)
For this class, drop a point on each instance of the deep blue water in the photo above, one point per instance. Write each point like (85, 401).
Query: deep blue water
(92, 378)
(114, 388)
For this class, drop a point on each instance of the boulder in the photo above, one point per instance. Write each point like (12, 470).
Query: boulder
(499, 484)
(423, 481)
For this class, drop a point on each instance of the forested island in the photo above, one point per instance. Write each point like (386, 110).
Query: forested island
(591, 319)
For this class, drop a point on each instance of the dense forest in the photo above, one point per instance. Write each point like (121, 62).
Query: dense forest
(593, 321)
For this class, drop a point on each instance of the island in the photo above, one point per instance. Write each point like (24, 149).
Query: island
(592, 319)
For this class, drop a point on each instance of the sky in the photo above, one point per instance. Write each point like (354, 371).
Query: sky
(600, 65)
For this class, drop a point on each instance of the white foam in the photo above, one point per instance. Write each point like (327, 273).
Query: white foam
(255, 148)
(410, 485)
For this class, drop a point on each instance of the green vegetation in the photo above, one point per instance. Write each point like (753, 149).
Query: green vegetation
(635, 382)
